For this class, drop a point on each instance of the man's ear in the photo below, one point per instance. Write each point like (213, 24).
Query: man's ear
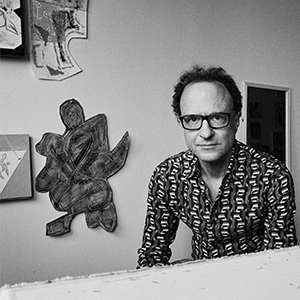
(237, 120)
(179, 122)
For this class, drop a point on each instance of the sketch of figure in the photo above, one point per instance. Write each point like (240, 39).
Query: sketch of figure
(78, 164)
(4, 166)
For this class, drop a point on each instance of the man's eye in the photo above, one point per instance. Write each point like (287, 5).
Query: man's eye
(217, 118)
(192, 119)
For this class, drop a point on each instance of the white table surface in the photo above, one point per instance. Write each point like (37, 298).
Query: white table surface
(273, 274)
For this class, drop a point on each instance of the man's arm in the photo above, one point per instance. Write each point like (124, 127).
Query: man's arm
(160, 226)
(281, 208)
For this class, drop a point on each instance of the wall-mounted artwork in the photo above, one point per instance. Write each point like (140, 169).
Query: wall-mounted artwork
(11, 28)
(78, 165)
(15, 167)
(53, 24)
(267, 118)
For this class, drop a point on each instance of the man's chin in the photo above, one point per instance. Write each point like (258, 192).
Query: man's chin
(208, 156)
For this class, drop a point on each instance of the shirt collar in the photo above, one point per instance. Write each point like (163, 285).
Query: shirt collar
(233, 157)
(192, 166)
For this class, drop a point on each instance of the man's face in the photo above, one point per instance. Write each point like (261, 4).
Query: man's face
(206, 98)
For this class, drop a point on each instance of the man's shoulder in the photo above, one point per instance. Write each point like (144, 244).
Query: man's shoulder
(184, 159)
(258, 158)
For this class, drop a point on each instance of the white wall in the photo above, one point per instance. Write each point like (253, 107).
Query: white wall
(135, 51)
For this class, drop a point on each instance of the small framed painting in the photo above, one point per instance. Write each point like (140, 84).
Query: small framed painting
(12, 37)
(15, 167)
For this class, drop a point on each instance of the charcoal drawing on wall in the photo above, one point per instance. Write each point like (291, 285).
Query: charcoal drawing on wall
(78, 165)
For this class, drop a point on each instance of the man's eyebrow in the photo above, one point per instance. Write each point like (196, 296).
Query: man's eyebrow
(213, 113)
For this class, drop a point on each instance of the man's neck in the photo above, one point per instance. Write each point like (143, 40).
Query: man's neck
(215, 170)
(213, 174)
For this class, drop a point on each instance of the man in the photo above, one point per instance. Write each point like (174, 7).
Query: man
(234, 199)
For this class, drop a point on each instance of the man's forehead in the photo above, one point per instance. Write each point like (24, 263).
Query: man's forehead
(205, 98)
(207, 89)
(216, 86)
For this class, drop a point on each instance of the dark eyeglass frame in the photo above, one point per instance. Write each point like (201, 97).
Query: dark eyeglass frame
(207, 118)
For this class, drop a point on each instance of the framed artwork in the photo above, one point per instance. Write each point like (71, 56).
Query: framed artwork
(255, 109)
(255, 130)
(266, 119)
(15, 167)
(12, 37)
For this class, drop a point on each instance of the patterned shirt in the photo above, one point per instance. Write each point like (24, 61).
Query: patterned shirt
(254, 209)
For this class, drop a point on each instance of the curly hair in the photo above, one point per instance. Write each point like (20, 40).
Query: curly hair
(206, 74)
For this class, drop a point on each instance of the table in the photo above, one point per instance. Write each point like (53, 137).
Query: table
(272, 274)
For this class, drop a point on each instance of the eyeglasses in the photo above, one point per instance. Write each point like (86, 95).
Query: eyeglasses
(215, 121)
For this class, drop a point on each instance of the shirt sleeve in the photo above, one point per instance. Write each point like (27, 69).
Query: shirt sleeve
(160, 225)
(281, 208)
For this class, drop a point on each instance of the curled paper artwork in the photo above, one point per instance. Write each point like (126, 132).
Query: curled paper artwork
(78, 164)
(53, 24)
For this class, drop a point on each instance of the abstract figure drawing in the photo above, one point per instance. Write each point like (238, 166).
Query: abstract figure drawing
(78, 164)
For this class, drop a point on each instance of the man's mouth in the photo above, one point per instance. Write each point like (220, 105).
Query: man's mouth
(208, 146)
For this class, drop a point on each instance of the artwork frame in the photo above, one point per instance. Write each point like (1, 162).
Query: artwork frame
(15, 168)
(274, 116)
(19, 51)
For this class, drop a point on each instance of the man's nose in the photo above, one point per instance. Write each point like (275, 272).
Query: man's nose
(206, 131)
